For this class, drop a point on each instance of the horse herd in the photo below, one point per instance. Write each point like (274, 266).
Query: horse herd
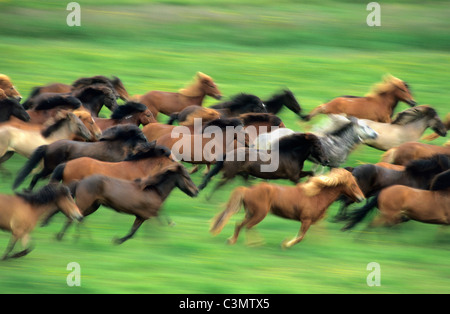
(131, 162)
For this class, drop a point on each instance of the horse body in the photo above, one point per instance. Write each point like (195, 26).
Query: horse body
(409, 126)
(403, 154)
(378, 106)
(305, 202)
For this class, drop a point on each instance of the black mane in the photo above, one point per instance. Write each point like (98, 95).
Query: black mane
(224, 122)
(55, 126)
(123, 132)
(151, 151)
(239, 101)
(128, 109)
(45, 195)
(58, 101)
(248, 118)
(430, 166)
(441, 181)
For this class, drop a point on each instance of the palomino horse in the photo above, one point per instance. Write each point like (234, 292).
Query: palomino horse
(8, 88)
(408, 126)
(285, 161)
(435, 135)
(143, 164)
(372, 178)
(378, 105)
(19, 213)
(399, 203)
(282, 99)
(170, 102)
(12, 108)
(115, 83)
(239, 104)
(23, 138)
(130, 113)
(403, 154)
(305, 202)
(142, 198)
(115, 144)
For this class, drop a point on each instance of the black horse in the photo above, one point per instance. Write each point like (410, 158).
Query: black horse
(11, 107)
(239, 104)
(372, 178)
(285, 98)
(115, 144)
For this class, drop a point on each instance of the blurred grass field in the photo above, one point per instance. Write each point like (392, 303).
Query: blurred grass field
(319, 51)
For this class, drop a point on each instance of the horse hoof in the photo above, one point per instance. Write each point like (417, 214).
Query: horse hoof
(286, 244)
(231, 241)
(59, 236)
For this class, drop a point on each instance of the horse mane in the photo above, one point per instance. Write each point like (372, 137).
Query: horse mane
(290, 143)
(153, 182)
(201, 112)
(151, 151)
(54, 124)
(193, 90)
(44, 195)
(122, 132)
(412, 114)
(88, 81)
(223, 123)
(336, 177)
(128, 109)
(248, 118)
(94, 90)
(66, 101)
(238, 101)
(388, 85)
(441, 181)
(422, 167)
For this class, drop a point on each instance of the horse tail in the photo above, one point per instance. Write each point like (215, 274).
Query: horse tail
(73, 187)
(233, 206)
(173, 118)
(58, 173)
(35, 158)
(215, 170)
(319, 109)
(389, 156)
(34, 92)
(358, 215)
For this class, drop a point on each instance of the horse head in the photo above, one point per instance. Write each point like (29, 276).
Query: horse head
(8, 88)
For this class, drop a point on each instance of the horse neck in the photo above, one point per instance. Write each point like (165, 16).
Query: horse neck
(45, 209)
(165, 187)
(388, 99)
(334, 145)
(193, 100)
(416, 127)
(327, 196)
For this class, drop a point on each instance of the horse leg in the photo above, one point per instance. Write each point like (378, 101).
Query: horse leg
(25, 240)
(254, 215)
(6, 156)
(194, 169)
(137, 223)
(44, 173)
(304, 227)
(10, 247)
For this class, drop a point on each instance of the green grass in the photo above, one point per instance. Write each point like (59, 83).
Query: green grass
(317, 51)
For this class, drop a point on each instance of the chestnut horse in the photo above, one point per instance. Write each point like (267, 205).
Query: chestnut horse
(142, 198)
(171, 102)
(130, 113)
(19, 213)
(378, 105)
(305, 202)
(403, 154)
(8, 88)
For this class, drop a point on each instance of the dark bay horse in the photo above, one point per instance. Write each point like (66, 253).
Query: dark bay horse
(19, 213)
(287, 160)
(171, 102)
(239, 104)
(8, 89)
(141, 198)
(372, 178)
(305, 202)
(115, 144)
(130, 113)
(285, 98)
(378, 105)
(10, 107)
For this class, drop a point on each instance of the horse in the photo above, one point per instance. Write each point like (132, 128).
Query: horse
(8, 88)
(171, 102)
(239, 104)
(19, 213)
(373, 178)
(378, 105)
(130, 113)
(24, 139)
(115, 144)
(436, 135)
(89, 122)
(10, 107)
(188, 114)
(398, 203)
(115, 83)
(408, 126)
(142, 198)
(304, 202)
(142, 164)
(284, 98)
(256, 124)
(264, 141)
(284, 161)
(409, 151)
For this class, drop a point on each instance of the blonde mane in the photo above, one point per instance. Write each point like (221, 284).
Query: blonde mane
(447, 144)
(388, 85)
(194, 89)
(337, 176)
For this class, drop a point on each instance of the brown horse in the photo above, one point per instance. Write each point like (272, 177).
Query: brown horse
(19, 213)
(8, 88)
(130, 113)
(259, 123)
(143, 164)
(188, 114)
(142, 198)
(305, 202)
(171, 102)
(434, 136)
(378, 105)
(407, 152)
